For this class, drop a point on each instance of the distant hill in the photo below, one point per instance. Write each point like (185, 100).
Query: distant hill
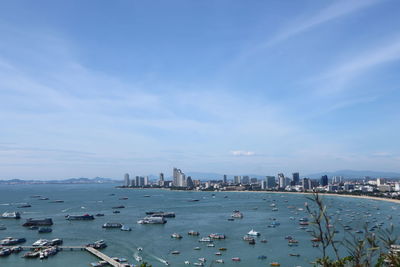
(352, 174)
(81, 180)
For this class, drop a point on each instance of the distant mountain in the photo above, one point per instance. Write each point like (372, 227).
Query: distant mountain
(352, 174)
(81, 180)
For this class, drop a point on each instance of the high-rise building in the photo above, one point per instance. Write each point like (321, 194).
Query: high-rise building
(137, 181)
(271, 183)
(281, 180)
(237, 179)
(146, 181)
(324, 180)
(296, 178)
(306, 183)
(161, 180)
(141, 181)
(189, 182)
(253, 180)
(126, 179)
(179, 178)
(337, 179)
(245, 180)
(225, 179)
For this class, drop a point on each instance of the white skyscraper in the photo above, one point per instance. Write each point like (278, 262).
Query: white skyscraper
(281, 180)
(179, 178)
(126, 179)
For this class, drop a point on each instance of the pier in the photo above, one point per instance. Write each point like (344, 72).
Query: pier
(91, 250)
(103, 256)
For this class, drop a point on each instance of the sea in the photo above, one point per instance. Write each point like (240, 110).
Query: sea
(273, 215)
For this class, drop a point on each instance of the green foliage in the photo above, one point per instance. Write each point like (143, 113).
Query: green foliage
(362, 251)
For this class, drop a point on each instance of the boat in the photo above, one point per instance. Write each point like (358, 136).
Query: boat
(275, 264)
(38, 222)
(219, 261)
(98, 244)
(217, 236)
(33, 228)
(235, 259)
(24, 206)
(175, 252)
(237, 215)
(222, 249)
(116, 211)
(125, 228)
(41, 243)
(112, 225)
(44, 198)
(10, 241)
(193, 200)
(3, 227)
(164, 261)
(31, 254)
(176, 235)
(211, 245)
(252, 242)
(294, 254)
(193, 233)
(253, 233)
(202, 259)
(248, 238)
(123, 198)
(56, 242)
(262, 257)
(152, 220)
(84, 217)
(138, 258)
(16, 249)
(198, 264)
(11, 215)
(205, 239)
(5, 252)
(218, 253)
(197, 248)
(99, 215)
(146, 196)
(139, 249)
(57, 201)
(263, 241)
(161, 214)
(45, 230)
(119, 207)
(187, 262)
(231, 219)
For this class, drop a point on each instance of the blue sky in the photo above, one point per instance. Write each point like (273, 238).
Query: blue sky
(100, 88)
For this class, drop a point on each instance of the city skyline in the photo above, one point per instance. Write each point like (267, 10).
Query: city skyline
(258, 87)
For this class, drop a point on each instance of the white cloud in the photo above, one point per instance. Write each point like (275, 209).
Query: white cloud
(242, 153)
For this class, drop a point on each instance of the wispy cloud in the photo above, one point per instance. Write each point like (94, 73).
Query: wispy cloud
(338, 77)
(335, 11)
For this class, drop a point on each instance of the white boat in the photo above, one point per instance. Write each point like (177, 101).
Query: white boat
(138, 258)
(41, 243)
(253, 233)
(11, 215)
(219, 261)
(205, 239)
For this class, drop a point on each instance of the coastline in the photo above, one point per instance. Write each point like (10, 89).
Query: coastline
(397, 201)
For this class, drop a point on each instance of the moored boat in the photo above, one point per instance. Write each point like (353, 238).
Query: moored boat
(11, 215)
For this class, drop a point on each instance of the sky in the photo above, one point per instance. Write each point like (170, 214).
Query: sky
(102, 88)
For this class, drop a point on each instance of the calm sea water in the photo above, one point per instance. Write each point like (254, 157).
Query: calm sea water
(209, 215)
